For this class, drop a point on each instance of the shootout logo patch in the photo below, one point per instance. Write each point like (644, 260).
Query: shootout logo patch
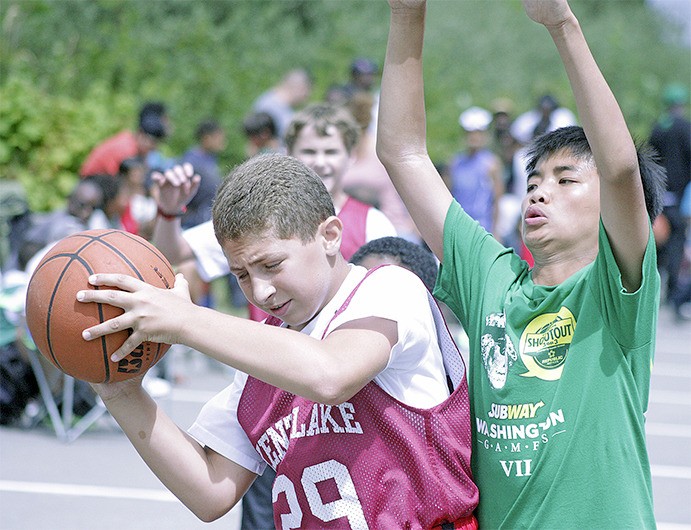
(545, 344)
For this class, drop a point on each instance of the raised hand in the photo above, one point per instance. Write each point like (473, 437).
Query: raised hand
(175, 187)
(548, 12)
(407, 5)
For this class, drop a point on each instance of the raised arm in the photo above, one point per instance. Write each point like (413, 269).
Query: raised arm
(173, 190)
(401, 129)
(622, 204)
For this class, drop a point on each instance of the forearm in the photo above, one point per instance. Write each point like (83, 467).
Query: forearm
(401, 129)
(179, 462)
(401, 124)
(598, 110)
(167, 237)
(327, 371)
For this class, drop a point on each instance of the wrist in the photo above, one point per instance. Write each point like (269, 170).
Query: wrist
(171, 216)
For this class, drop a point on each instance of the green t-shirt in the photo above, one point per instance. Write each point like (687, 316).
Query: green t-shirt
(559, 379)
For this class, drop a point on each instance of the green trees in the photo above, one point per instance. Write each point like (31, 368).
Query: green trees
(73, 72)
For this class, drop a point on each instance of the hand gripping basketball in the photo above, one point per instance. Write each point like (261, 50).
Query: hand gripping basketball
(56, 319)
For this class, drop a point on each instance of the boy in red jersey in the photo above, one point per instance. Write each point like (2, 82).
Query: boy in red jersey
(348, 400)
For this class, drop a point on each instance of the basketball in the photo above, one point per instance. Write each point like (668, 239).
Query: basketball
(56, 319)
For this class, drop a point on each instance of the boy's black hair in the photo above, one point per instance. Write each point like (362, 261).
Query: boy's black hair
(128, 164)
(206, 127)
(257, 122)
(152, 108)
(411, 255)
(573, 139)
(110, 187)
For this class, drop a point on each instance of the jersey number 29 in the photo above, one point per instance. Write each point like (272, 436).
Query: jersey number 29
(347, 506)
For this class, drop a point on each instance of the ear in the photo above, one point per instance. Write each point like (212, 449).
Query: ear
(331, 231)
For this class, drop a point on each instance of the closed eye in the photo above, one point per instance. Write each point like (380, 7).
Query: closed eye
(273, 265)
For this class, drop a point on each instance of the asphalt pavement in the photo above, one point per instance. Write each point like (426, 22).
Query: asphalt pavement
(97, 480)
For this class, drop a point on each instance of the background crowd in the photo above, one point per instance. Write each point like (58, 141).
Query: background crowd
(485, 174)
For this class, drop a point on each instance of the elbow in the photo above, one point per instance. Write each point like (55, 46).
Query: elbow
(207, 517)
(384, 151)
(330, 390)
(209, 505)
(394, 156)
(336, 398)
(208, 513)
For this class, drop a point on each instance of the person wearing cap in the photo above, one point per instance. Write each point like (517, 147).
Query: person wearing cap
(152, 127)
(671, 138)
(211, 140)
(363, 72)
(476, 179)
(547, 116)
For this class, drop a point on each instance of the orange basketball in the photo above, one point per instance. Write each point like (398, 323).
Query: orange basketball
(56, 320)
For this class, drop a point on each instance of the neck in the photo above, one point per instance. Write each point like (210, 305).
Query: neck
(553, 271)
(339, 199)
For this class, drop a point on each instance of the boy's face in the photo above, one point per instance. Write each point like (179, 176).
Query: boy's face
(561, 210)
(286, 278)
(326, 155)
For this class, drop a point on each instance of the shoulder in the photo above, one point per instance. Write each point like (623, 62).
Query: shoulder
(388, 292)
(378, 225)
(392, 279)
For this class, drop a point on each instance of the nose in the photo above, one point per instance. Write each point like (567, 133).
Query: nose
(262, 290)
(539, 194)
(318, 161)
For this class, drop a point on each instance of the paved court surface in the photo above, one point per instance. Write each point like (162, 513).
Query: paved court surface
(98, 481)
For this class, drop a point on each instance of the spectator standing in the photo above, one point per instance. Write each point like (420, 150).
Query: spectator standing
(505, 145)
(152, 128)
(116, 200)
(211, 140)
(282, 100)
(140, 213)
(46, 229)
(366, 178)
(261, 136)
(363, 74)
(546, 116)
(671, 138)
(476, 175)
(322, 137)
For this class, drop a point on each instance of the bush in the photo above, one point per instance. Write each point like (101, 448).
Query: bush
(64, 87)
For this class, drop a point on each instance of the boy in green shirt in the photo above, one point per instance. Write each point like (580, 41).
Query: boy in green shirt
(561, 353)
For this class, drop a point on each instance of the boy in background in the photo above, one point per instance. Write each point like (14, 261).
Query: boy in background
(322, 137)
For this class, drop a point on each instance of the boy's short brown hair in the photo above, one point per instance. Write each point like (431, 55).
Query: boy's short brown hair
(271, 192)
(323, 116)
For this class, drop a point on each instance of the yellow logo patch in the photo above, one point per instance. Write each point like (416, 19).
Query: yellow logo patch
(545, 344)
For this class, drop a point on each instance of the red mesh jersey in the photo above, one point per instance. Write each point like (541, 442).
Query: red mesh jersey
(371, 462)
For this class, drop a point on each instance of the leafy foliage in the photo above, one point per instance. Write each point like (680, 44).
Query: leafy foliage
(75, 72)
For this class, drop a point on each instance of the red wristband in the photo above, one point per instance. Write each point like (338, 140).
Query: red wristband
(171, 216)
